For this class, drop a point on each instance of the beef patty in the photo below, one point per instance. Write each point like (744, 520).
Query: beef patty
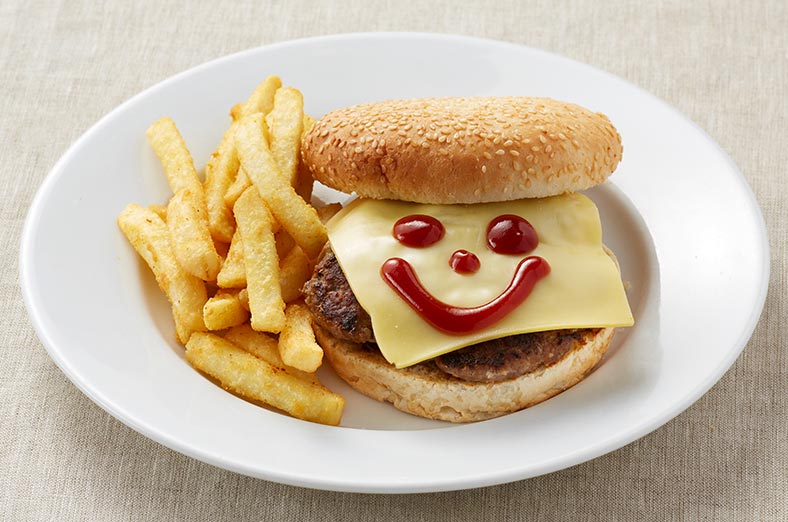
(335, 308)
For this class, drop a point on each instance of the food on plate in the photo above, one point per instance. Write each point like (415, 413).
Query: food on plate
(469, 279)
(231, 254)
(149, 236)
(296, 216)
(187, 214)
(297, 345)
(254, 378)
(224, 310)
(255, 226)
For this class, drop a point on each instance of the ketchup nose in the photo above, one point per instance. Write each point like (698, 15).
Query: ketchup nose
(464, 262)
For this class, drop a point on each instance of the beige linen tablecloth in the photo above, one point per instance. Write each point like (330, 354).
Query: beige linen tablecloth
(65, 64)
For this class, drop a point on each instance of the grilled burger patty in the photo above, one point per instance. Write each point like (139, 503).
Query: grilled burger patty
(335, 308)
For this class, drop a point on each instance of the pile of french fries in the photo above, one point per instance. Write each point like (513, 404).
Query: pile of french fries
(233, 252)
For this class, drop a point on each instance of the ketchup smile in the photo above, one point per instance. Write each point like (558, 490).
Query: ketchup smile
(401, 277)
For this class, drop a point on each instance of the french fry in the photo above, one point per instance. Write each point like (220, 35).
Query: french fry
(234, 191)
(265, 347)
(293, 213)
(224, 310)
(159, 210)
(222, 169)
(255, 225)
(286, 123)
(294, 271)
(176, 159)
(233, 272)
(308, 122)
(255, 379)
(297, 345)
(304, 180)
(261, 100)
(187, 221)
(220, 172)
(243, 297)
(149, 236)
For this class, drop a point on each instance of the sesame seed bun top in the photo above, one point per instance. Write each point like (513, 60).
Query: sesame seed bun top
(462, 150)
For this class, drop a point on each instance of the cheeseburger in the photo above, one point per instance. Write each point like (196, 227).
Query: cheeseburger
(468, 279)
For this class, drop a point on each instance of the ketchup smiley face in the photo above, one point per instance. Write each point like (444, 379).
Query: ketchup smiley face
(507, 234)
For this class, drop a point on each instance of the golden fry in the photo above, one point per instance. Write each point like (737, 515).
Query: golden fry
(297, 345)
(293, 213)
(220, 172)
(255, 379)
(286, 123)
(261, 100)
(159, 210)
(234, 191)
(178, 165)
(243, 297)
(265, 347)
(304, 180)
(233, 272)
(191, 239)
(150, 238)
(294, 270)
(224, 310)
(308, 122)
(255, 224)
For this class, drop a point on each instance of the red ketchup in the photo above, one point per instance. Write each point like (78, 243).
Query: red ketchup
(510, 234)
(418, 230)
(464, 262)
(507, 234)
(455, 320)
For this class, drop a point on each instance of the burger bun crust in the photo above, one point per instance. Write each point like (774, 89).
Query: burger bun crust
(462, 150)
(426, 391)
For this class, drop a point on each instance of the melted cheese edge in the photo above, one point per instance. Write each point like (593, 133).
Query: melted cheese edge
(583, 289)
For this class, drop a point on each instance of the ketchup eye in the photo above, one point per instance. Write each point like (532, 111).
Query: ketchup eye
(418, 230)
(510, 234)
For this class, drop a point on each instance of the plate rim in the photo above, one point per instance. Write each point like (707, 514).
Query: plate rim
(635, 432)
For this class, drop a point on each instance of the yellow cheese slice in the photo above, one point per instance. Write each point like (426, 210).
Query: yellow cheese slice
(583, 289)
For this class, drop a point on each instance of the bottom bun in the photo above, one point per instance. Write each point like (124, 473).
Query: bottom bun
(426, 391)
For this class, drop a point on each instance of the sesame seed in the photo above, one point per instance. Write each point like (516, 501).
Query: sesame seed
(487, 155)
(508, 143)
(358, 150)
(500, 152)
(514, 152)
(484, 168)
(542, 138)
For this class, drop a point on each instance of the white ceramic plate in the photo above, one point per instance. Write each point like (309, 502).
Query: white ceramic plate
(678, 213)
